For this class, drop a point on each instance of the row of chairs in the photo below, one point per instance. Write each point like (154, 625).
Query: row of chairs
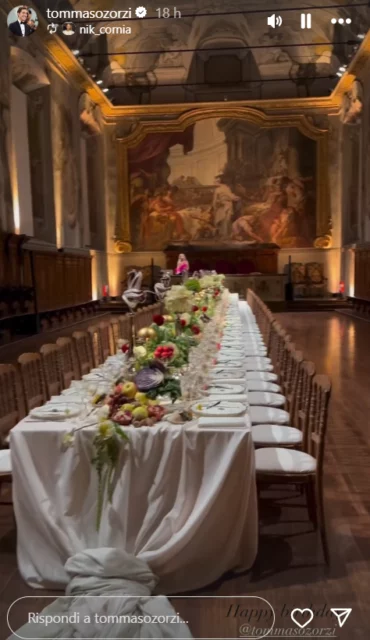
(38, 376)
(290, 445)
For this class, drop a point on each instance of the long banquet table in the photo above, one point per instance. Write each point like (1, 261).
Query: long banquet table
(185, 501)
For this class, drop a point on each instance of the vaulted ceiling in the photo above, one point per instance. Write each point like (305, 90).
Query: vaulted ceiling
(218, 50)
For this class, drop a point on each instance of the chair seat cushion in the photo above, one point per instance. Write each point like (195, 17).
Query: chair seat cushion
(262, 359)
(268, 415)
(267, 376)
(275, 435)
(5, 461)
(276, 460)
(265, 399)
(254, 352)
(263, 385)
(257, 364)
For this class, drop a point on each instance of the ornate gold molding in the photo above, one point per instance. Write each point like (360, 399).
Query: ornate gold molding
(323, 242)
(255, 116)
(122, 247)
(260, 119)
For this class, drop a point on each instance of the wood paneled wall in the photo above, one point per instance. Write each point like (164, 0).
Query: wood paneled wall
(14, 262)
(61, 279)
(362, 273)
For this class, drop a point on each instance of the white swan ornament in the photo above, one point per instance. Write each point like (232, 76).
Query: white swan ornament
(133, 294)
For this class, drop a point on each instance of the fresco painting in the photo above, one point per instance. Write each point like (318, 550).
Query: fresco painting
(223, 181)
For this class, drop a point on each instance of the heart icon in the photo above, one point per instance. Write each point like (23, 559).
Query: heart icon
(301, 611)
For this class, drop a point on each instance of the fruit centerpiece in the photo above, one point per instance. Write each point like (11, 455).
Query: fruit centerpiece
(150, 379)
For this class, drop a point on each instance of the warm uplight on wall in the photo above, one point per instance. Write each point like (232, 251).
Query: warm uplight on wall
(16, 213)
(94, 275)
(15, 197)
(58, 209)
(115, 271)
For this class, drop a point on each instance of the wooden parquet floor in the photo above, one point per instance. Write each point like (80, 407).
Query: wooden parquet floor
(289, 571)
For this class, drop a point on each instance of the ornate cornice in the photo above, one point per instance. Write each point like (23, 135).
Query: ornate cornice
(235, 110)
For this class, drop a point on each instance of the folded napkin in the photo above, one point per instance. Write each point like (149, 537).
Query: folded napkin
(70, 398)
(231, 397)
(51, 412)
(222, 378)
(225, 422)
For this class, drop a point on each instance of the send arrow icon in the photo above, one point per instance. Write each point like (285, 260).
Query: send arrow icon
(341, 615)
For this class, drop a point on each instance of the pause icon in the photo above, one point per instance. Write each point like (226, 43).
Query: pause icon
(306, 21)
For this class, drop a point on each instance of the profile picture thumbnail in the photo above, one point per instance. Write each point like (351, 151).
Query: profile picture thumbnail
(22, 21)
(69, 29)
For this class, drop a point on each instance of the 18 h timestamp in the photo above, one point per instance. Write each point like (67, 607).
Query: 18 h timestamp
(168, 12)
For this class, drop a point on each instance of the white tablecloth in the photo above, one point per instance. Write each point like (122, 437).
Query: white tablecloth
(185, 502)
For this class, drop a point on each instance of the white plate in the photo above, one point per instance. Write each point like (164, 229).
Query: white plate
(218, 408)
(224, 389)
(224, 373)
(94, 377)
(56, 412)
(229, 363)
(71, 399)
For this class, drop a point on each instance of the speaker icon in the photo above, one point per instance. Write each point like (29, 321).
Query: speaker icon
(274, 21)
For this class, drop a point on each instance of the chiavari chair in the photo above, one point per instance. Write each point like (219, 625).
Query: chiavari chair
(276, 465)
(32, 378)
(84, 352)
(51, 369)
(139, 320)
(124, 327)
(68, 361)
(291, 370)
(105, 340)
(301, 407)
(115, 333)
(95, 345)
(275, 435)
(12, 408)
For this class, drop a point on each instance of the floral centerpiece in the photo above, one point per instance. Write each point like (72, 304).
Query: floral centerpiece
(135, 398)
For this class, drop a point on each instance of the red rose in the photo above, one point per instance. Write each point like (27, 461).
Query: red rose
(195, 330)
(195, 308)
(183, 323)
(217, 292)
(158, 319)
(125, 348)
(204, 309)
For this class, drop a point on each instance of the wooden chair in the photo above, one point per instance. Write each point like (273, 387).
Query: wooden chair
(5, 471)
(95, 345)
(293, 361)
(33, 383)
(124, 327)
(105, 340)
(115, 333)
(84, 353)
(301, 407)
(68, 362)
(12, 408)
(51, 368)
(277, 465)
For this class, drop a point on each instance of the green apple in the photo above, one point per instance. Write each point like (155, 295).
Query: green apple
(129, 389)
(141, 398)
(127, 407)
(140, 413)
